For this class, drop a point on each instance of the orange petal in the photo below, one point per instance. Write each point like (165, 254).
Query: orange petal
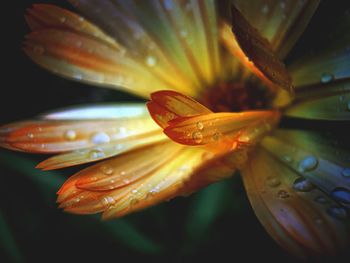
(306, 222)
(163, 171)
(166, 105)
(79, 128)
(259, 51)
(231, 128)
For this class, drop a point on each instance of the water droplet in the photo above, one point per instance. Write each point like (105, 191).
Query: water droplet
(265, 9)
(39, 50)
(308, 164)
(273, 181)
(326, 78)
(30, 135)
(151, 61)
(346, 172)
(216, 136)
(183, 33)
(97, 153)
(200, 126)
(63, 19)
(318, 221)
(100, 138)
(78, 76)
(341, 194)
(321, 199)
(106, 169)
(134, 191)
(337, 212)
(107, 201)
(303, 185)
(168, 4)
(70, 135)
(287, 158)
(283, 194)
(197, 137)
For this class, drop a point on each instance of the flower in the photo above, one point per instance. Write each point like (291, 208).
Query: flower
(296, 179)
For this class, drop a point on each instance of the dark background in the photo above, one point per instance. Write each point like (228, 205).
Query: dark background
(215, 224)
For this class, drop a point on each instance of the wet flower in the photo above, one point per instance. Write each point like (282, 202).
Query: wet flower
(221, 100)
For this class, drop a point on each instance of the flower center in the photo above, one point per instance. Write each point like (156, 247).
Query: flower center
(236, 97)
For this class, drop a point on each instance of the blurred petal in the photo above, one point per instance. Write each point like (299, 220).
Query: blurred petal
(281, 22)
(300, 217)
(166, 105)
(329, 101)
(259, 51)
(314, 156)
(180, 36)
(328, 57)
(44, 16)
(57, 132)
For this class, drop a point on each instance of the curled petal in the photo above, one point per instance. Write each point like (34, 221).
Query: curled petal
(167, 105)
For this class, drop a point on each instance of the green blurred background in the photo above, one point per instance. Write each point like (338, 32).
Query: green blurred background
(215, 224)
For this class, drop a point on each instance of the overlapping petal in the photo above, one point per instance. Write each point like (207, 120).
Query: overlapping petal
(118, 187)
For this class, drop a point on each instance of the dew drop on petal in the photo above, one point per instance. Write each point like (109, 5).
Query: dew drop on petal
(197, 137)
(100, 138)
(341, 195)
(216, 136)
(326, 77)
(151, 61)
(106, 169)
(107, 201)
(95, 154)
(200, 125)
(308, 164)
(337, 212)
(30, 135)
(303, 185)
(321, 200)
(273, 181)
(283, 194)
(70, 135)
(287, 158)
(63, 19)
(346, 172)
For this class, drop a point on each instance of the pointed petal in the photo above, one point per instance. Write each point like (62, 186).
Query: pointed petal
(166, 105)
(59, 133)
(259, 51)
(303, 221)
(226, 128)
